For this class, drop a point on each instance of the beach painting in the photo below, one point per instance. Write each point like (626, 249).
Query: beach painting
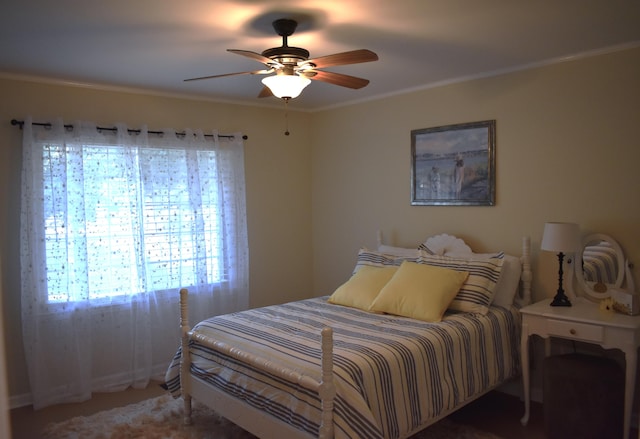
(454, 165)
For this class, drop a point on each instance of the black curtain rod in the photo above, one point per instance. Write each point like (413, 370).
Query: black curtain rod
(20, 123)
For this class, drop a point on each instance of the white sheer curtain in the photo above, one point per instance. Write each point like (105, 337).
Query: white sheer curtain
(113, 224)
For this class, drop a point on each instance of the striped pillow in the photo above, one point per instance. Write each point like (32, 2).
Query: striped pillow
(477, 292)
(426, 249)
(376, 259)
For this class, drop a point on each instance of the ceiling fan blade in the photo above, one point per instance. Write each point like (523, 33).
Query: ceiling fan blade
(337, 79)
(265, 92)
(255, 56)
(255, 72)
(338, 59)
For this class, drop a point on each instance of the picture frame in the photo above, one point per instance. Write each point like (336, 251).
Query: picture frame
(454, 165)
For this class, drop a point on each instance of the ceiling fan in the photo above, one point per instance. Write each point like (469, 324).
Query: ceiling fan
(294, 70)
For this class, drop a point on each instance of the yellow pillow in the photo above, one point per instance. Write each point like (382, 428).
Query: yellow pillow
(360, 290)
(419, 291)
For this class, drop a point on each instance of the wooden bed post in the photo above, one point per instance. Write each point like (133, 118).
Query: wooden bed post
(327, 389)
(526, 275)
(185, 358)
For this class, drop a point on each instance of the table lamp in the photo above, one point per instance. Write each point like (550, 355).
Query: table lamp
(561, 238)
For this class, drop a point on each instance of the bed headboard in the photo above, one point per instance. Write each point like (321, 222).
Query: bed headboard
(443, 243)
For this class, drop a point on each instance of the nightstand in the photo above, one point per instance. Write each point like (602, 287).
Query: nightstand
(584, 322)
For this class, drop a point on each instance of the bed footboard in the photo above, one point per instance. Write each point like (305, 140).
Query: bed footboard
(325, 388)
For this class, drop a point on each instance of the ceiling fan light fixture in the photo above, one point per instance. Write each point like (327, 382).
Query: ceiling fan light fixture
(286, 86)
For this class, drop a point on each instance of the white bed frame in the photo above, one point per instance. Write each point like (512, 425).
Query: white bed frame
(260, 423)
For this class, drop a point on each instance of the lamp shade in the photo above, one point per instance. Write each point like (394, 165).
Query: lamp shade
(561, 237)
(286, 86)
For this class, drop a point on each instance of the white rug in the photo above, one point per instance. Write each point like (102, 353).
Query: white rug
(161, 418)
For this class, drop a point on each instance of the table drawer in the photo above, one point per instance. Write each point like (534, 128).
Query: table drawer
(577, 331)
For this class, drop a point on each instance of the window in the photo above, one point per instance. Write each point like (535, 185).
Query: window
(123, 222)
(113, 223)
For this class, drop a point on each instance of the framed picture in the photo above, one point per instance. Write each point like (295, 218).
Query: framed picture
(454, 165)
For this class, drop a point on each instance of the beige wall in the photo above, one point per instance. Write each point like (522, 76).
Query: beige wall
(278, 174)
(567, 150)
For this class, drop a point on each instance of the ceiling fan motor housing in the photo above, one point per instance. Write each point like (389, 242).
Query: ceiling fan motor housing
(281, 54)
(284, 54)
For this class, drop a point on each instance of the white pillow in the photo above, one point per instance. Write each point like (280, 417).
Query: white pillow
(509, 282)
(398, 251)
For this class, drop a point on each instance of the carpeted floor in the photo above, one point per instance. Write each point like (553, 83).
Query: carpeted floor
(161, 418)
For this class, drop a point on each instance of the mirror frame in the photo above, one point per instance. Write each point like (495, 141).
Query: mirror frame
(584, 286)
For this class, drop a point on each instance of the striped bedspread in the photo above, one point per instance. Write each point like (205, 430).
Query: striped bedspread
(392, 374)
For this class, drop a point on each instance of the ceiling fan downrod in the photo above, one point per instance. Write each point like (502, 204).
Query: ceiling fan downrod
(285, 27)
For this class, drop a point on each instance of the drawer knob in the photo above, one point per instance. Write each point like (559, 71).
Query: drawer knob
(572, 331)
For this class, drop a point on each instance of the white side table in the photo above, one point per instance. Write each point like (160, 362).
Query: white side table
(584, 322)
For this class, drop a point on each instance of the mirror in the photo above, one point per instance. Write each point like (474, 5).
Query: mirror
(599, 266)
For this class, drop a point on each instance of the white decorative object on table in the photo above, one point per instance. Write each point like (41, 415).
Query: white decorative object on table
(625, 302)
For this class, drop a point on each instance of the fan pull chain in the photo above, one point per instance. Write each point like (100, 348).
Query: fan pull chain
(286, 116)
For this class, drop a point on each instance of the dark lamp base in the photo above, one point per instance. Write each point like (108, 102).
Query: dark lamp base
(561, 300)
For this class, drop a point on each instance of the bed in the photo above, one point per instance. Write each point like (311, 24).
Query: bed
(322, 368)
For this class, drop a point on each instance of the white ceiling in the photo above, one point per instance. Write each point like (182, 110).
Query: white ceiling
(155, 44)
